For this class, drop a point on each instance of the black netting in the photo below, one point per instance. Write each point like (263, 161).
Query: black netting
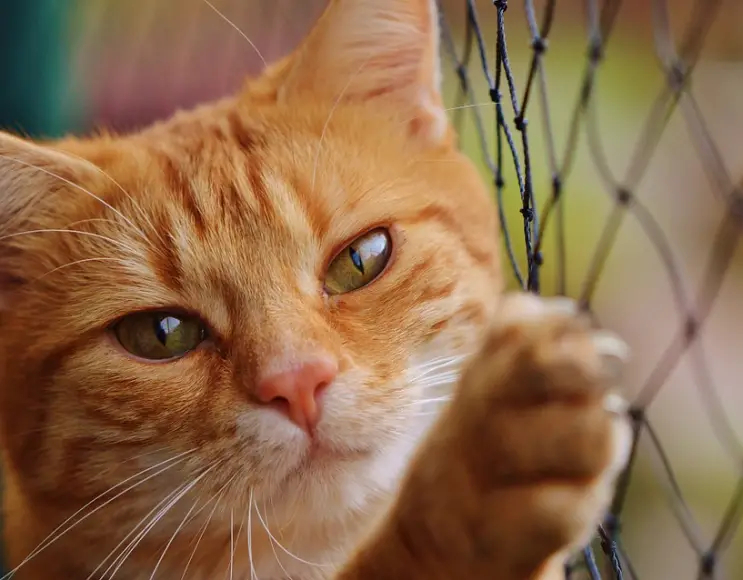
(504, 141)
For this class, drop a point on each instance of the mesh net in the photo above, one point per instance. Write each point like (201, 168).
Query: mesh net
(610, 131)
(542, 210)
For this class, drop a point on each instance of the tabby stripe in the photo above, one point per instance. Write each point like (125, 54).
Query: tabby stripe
(178, 183)
(443, 216)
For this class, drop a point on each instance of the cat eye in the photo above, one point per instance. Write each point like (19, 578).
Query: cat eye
(359, 263)
(159, 335)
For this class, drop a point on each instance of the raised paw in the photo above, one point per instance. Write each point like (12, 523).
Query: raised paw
(520, 468)
(543, 433)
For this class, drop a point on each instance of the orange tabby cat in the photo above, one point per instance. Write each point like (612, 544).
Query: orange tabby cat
(224, 339)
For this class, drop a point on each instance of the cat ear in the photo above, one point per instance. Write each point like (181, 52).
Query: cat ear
(375, 49)
(29, 173)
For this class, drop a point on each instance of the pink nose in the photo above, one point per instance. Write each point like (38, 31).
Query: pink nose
(297, 391)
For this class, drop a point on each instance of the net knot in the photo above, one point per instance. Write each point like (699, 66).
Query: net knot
(624, 196)
(501, 5)
(678, 75)
(462, 75)
(520, 122)
(736, 206)
(494, 95)
(528, 213)
(708, 563)
(499, 181)
(636, 414)
(595, 50)
(691, 327)
(556, 187)
(538, 259)
(539, 45)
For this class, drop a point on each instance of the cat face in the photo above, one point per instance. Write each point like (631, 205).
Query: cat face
(256, 296)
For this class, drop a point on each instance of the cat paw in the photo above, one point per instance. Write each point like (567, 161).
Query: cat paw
(543, 432)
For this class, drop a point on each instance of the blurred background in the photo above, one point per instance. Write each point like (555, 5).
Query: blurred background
(77, 65)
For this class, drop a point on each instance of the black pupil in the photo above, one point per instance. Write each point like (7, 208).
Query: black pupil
(164, 327)
(356, 259)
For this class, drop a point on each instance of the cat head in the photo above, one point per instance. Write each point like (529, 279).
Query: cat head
(256, 295)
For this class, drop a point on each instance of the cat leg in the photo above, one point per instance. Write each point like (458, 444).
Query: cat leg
(520, 468)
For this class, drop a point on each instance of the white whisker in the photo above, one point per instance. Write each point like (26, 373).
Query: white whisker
(273, 539)
(234, 540)
(61, 530)
(253, 575)
(337, 102)
(446, 377)
(80, 188)
(178, 529)
(457, 108)
(137, 207)
(422, 402)
(78, 262)
(78, 232)
(218, 498)
(141, 522)
(153, 522)
(232, 543)
(434, 365)
(237, 28)
(271, 542)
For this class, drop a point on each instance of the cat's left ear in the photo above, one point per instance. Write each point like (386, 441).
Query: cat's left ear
(363, 50)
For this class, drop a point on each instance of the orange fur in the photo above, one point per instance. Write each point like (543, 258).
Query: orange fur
(232, 212)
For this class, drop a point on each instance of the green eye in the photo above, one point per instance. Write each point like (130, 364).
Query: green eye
(159, 335)
(359, 263)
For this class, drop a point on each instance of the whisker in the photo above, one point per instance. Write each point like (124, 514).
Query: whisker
(273, 539)
(337, 102)
(446, 375)
(78, 232)
(129, 548)
(80, 188)
(58, 532)
(457, 108)
(78, 262)
(253, 575)
(178, 529)
(153, 522)
(435, 365)
(132, 531)
(422, 402)
(271, 542)
(233, 541)
(237, 28)
(131, 199)
(218, 497)
(427, 413)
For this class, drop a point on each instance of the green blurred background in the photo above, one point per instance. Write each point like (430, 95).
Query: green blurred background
(75, 65)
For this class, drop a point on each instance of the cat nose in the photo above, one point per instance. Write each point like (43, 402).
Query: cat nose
(296, 392)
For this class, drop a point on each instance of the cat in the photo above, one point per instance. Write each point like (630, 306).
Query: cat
(268, 338)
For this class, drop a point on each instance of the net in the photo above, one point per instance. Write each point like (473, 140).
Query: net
(509, 144)
(610, 131)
